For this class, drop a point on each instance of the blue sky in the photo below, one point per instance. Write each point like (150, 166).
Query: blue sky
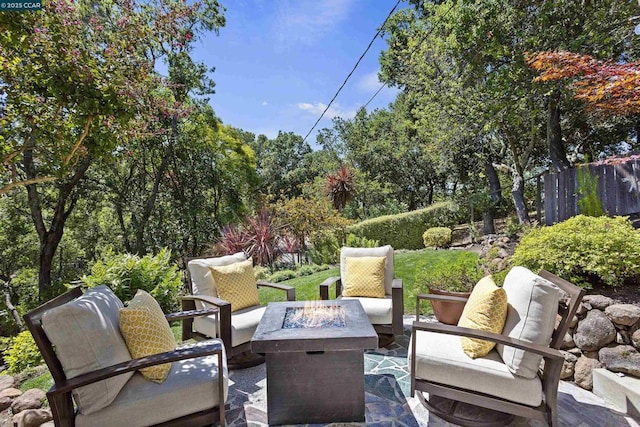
(279, 62)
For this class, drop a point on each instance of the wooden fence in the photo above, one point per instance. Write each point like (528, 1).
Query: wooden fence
(618, 189)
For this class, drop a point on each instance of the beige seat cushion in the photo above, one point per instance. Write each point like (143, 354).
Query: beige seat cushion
(202, 282)
(87, 337)
(190, 387)
(379, 310)
(531, 316)
(382, 251)
(440, 359)
(243, 324)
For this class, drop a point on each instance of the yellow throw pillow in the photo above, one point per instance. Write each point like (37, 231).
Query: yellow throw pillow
(236, 283)
(485, 310)
(146, 332)
(364, 277)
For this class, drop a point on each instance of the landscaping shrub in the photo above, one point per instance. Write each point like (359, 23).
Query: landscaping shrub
(305, 270)
(404, 231)
(23, 353)
(437, 237)
(126, 273)
(455, 274)
(354, 241)
(583, 250)
(282, 275)
(325, 248)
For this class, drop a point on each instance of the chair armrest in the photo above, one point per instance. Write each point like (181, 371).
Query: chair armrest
(396, 284)
(189, 314)
(213, 347)
(432, 297)
(546, 352)
(324, 287)
(206, 299)
(397, 302)
(291, 291)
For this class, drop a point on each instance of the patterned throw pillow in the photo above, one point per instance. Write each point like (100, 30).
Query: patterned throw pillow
(485, 310)
(147, 332)
(236, 283)
(364, 277)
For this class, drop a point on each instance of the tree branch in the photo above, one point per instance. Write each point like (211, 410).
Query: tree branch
(6, 188)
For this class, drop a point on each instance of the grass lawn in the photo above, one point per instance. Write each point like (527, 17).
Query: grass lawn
(406, 265)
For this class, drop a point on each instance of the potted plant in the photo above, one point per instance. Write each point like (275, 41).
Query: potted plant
(449, 279)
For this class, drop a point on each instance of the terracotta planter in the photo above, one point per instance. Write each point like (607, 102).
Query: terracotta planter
(445, 311)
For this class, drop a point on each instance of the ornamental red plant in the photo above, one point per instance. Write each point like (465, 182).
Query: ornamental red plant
(339, 187)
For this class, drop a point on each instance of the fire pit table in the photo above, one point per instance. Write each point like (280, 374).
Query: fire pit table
(315, 367)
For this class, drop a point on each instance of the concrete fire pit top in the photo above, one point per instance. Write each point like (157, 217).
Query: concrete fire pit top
(357, 333)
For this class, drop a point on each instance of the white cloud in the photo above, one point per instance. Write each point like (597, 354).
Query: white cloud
(265, 103)
(305, 22)
(334, 111)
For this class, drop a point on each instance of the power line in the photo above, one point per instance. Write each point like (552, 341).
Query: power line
(353, 69)
(414, 49)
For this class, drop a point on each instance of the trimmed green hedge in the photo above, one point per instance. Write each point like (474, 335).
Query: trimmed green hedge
(404, 231)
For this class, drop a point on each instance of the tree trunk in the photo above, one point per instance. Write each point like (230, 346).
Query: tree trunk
(495, 192)
(66, 201)
(517, 193)
(557, 153)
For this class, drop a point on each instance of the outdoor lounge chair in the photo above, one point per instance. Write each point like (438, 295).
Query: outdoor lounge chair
(235, 328)
(385, 314)
(522, 386)
(91, 362)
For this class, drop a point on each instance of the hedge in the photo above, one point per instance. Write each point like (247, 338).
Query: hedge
(404, 231)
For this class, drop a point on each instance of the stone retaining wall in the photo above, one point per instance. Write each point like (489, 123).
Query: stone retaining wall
(603, 334)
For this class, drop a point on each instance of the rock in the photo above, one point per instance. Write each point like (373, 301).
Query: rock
(564, 297)
(594, 331)
(502, 253)
(598, 301)
(582, 309)
(5, 402)
(576, 351)
(10, 392)
(568, 365)
(567, 342)
(635, 339)
(6, 381)
(623, 314)
(583, 372)
(622, 358)
(48, 424)
(30, 399)
(32, 417)
(574, 322)
(622, 337)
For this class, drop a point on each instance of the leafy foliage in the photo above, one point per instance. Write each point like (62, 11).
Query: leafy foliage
(354, 241)
(583, 250)
(457, 273)
(23, 353)
(263, 237)
(404, 231)
(325, 248)
(126, 273)
(339, 187)
(609, 86)
(589, 202)
(437, 237)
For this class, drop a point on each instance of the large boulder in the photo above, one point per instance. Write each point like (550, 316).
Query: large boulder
(583, 371)
(6, 381)
(30, 399)
(32, 417)
(621, 358)
(635, 338)
(10, 392)
(594, 331)
(623, 314)
(567, 342)
(598, 301)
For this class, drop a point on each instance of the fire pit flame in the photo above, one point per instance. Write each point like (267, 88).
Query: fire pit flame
(314, 315)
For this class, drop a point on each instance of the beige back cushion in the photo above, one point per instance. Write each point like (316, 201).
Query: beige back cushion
(383, 251)
(87, 337)
(531, 314)
(202, 282)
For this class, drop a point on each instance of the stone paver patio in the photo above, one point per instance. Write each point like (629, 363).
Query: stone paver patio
(388, 402)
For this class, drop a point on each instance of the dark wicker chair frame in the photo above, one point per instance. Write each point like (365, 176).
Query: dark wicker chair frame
(59, 396)
(550, 375)
(397, 302)
(224, 324)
